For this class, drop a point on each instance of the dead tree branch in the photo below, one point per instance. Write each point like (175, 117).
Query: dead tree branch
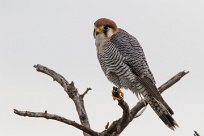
(57, 118)
(115, 128)
(72, 92)
(196, 133)
(87, 90)
(140, 105)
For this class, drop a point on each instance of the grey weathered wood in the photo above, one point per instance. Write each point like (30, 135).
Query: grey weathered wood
(115, 128)
(140, 105)
(46, 115)
(72, 92)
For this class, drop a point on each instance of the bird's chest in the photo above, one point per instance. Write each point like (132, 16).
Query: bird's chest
(107, 69)
(101, 58)
(101, 43)
(112, 75)
(115, 70)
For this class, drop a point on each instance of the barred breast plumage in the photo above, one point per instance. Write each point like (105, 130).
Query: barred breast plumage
(121, 51)
(123, 62)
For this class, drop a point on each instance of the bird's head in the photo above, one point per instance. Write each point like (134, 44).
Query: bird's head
(104, 28)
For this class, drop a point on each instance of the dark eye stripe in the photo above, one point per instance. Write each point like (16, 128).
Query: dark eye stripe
(108, 26)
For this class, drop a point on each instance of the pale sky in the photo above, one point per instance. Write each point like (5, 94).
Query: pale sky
(59, 35)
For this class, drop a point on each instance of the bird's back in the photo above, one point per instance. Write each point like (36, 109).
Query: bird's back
(130, 48)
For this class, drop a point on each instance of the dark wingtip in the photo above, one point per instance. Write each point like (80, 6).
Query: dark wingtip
(170, 122)
(173, 127)
(170, 111)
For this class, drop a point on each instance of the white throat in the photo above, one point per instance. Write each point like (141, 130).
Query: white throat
(101, 39)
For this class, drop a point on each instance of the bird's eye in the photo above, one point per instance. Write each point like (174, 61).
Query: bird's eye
(106, 27)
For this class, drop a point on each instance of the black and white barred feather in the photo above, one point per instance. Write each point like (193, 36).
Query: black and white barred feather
(123, 62)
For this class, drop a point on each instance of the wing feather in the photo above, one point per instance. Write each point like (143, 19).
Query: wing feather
(129, 48)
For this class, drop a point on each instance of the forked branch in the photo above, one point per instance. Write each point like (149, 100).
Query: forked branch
(72, 92)
(46, 115)
(115, 128)
(139, 106)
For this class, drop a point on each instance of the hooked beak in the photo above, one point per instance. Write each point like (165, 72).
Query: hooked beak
(99, 30)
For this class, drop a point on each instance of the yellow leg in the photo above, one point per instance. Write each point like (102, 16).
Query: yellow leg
(117, 94)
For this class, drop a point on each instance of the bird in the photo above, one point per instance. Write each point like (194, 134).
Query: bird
(123, 62)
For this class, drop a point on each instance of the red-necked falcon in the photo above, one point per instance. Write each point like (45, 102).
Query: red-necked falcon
(123, 62)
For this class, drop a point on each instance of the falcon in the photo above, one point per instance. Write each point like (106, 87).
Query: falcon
(124, 64)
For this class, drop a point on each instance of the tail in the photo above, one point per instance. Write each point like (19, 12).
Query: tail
(155, 100)
(163, 113)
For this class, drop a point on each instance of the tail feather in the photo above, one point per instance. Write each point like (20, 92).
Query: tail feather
(169, 121)
(163, 113)
(151, 95)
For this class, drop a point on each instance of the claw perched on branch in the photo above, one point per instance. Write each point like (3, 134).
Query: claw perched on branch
(116, 127)
(117, 94)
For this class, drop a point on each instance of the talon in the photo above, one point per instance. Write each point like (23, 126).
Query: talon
(120, 92)
(117, 94)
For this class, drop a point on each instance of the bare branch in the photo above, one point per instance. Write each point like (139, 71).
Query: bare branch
(115, 128)
(88, 89)
(72, 92)
(57, 118)
(140, 112)
(133, 112)
(172, 81)
(125, 119)
(107, 125)
(161, 89)
(196, 133)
